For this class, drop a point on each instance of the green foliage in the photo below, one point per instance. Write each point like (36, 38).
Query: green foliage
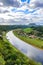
(39, 30)
(11, 27)
(31, 35)
(28, 30)
(9, 55)
(2, 62)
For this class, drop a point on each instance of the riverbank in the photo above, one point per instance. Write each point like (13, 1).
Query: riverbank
(9, 55)
(24, 48)
(33, 41)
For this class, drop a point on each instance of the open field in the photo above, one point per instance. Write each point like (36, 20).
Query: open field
(28, 30)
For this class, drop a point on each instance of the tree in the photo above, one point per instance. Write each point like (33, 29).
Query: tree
(2, 62)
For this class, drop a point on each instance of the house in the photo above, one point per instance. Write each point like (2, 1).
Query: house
(32, 36)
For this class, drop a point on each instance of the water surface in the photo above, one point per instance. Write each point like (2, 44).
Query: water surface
(27, 49)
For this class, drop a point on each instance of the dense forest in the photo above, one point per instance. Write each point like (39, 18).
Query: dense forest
(39, 30)
(12, 27)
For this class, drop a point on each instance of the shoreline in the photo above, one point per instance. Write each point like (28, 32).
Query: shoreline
(28, 43)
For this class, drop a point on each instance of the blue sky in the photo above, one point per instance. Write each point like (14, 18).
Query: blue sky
(21, 11)
(25, 1)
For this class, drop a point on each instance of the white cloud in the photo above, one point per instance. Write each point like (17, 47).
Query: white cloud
(1, 4)
(36, 3)
(7, 3)
(19, 17)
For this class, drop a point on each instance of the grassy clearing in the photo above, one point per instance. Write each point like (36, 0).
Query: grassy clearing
(28, 30)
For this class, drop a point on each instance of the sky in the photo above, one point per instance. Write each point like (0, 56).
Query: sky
(21, 12)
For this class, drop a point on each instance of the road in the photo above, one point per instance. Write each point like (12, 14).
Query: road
(27, 49)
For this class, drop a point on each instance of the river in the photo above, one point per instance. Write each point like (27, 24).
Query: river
(27, 49)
